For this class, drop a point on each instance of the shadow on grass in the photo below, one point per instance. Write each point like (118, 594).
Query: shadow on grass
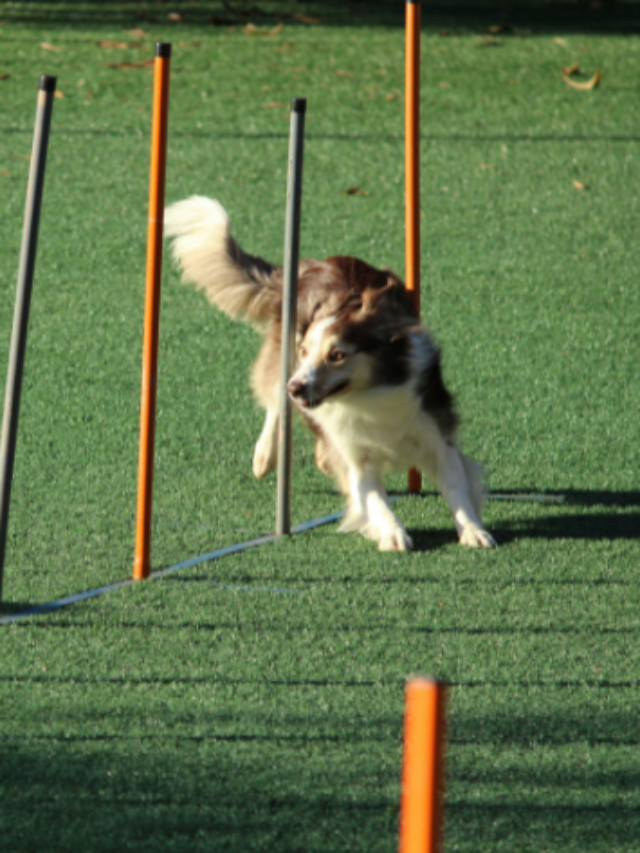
(165, 790)
(503, 18)
(619, 519)
(9, 607)
(610, 516)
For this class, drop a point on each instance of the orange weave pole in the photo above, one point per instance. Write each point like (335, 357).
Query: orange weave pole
(422, 767)
(142, 560)
(412, 172)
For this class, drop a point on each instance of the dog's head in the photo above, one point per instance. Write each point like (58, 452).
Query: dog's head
(353, 336)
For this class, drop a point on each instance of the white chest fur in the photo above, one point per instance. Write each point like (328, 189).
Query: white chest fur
(382, 426)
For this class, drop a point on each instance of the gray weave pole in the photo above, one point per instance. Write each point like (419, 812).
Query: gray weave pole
(290, 295)
(17, 350)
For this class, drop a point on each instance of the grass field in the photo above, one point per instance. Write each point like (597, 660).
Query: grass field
(255, 703)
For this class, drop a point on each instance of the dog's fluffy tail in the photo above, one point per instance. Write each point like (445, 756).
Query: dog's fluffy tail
(240, 284)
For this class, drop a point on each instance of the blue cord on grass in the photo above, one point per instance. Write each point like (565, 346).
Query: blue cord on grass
(59, 603)
(224, 552)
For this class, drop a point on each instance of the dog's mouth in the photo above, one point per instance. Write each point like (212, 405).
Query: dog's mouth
(314, 402)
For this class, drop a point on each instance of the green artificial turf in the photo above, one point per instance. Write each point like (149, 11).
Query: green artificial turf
(255, 703)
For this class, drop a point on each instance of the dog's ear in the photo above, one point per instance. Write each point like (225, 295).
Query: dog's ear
(392, 299)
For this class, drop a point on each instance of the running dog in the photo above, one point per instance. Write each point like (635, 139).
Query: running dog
(367, 380)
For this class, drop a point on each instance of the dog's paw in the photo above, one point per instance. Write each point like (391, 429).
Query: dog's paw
(476, 537)
(264, 461)
(395, 540)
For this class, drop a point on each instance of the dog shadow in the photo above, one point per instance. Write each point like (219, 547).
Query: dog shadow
(605, 516)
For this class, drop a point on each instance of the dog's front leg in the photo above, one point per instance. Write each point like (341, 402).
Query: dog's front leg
(457, 480)
(370, 512)
(265, 456)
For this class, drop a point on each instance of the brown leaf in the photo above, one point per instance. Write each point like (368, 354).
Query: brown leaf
(499, 29)
(354, 191)
(47, 46)
(146, 63)
(176, 17)
(5, 173)
(579, 185)
(138, 33)
(120, 45)
(572, 70)
(58, 94)
(587, 85)
(306, 19)
(273, 104)
(5, 76)
(251, 30)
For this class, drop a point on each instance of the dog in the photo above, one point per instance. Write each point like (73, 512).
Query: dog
(367, 378)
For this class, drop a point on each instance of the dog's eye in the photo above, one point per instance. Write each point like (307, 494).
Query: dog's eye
(336, 355)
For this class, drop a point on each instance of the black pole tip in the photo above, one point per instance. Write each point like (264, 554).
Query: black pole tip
(298, 105)
(48, 84)
(163, 49)
(413, 2)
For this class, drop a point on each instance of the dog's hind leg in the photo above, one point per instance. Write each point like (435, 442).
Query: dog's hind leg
(370, 512)
(458, 479)
(265, 455)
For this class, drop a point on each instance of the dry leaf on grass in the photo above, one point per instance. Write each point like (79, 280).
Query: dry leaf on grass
(58, 94)
(252, 30)
(138, 33)
(273, 104)
(306, 19)
(145, 63)
(587, 85)
(5, 76)
(46, 46)
(571, 70)
(354, 191)
(176, 17)
(120, 45)
(579, 185)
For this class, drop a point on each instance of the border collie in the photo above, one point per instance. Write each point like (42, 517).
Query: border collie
(367, 379)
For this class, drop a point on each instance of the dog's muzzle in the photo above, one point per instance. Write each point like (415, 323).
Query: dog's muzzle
(299, 392)
(306, 397)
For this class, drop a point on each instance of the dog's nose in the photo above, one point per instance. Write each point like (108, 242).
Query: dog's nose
(296, 388)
